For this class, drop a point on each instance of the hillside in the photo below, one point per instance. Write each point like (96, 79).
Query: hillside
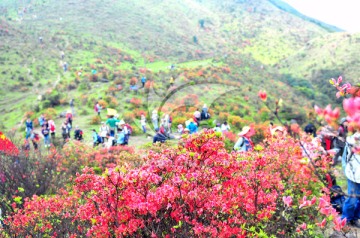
(326, 57)
(109, 43)
(286, 7)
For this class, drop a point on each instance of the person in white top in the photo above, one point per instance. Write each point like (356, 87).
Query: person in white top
(155, 118)
(143, 122)
(166, 123)
(110, 142)
(197, 115)
(225, 127)
(103, 131)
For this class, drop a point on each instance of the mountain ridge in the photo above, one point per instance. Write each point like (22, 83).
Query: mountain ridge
(288, 8)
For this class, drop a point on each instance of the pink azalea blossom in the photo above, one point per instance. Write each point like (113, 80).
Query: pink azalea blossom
(287, 201)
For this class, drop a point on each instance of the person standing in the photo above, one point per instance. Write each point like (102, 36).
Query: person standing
(125, 129)
(34, 140)
(69, 127)
(351, 167)
(69, 117)
(65, 67)
(155, 118)
(112, 122)
(143, 81)
(143, 123)
(103, 131)
(46, 133)
(97, 108)
(52, 129)
(41, 120)
(28, 128)
(64, 132)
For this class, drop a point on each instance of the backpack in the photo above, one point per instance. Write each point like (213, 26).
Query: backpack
(129, 128)
(246, 142)
(36, 136)
(99, 139)
(337, 198)
(352, 167)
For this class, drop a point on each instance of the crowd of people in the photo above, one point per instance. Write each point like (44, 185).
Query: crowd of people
(115, 131)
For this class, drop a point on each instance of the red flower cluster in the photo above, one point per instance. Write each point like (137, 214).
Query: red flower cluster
(328, 114)
(262, 95)
(7, 146)
(197, 189)
(352, 108)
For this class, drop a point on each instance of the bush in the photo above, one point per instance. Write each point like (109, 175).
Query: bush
(50, 113)
(95, 120)
(83, 86)
(53, 98)
(84, 113)
(196, 189)
(103, 103)
(46, 104)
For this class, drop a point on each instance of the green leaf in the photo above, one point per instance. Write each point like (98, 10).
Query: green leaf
(21, 190)
(18, 200)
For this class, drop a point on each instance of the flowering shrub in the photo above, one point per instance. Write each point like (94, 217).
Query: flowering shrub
(351, 104)
(6, 146)
(50, 113)
(197, 189)
(136, 101)
(95, 120)
(133, 81)
(103, 104)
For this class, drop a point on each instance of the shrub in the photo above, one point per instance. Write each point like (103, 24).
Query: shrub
(196, 189)
(93, 78)
(136, 102)
(53, 98)
(84, 113)
(129, 117)
(83, 86)
(95, 120)
(46, 104)
(103, 103)
(50, 113)
(133, 81)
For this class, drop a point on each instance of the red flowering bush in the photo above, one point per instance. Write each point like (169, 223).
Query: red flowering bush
(195, 190)
(136, 101)
(6, 146)
(133, 81)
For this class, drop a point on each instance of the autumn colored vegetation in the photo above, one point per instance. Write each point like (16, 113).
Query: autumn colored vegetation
(197, 188)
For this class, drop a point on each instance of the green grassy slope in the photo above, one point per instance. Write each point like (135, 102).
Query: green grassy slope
(326, 57)
(237, 43)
